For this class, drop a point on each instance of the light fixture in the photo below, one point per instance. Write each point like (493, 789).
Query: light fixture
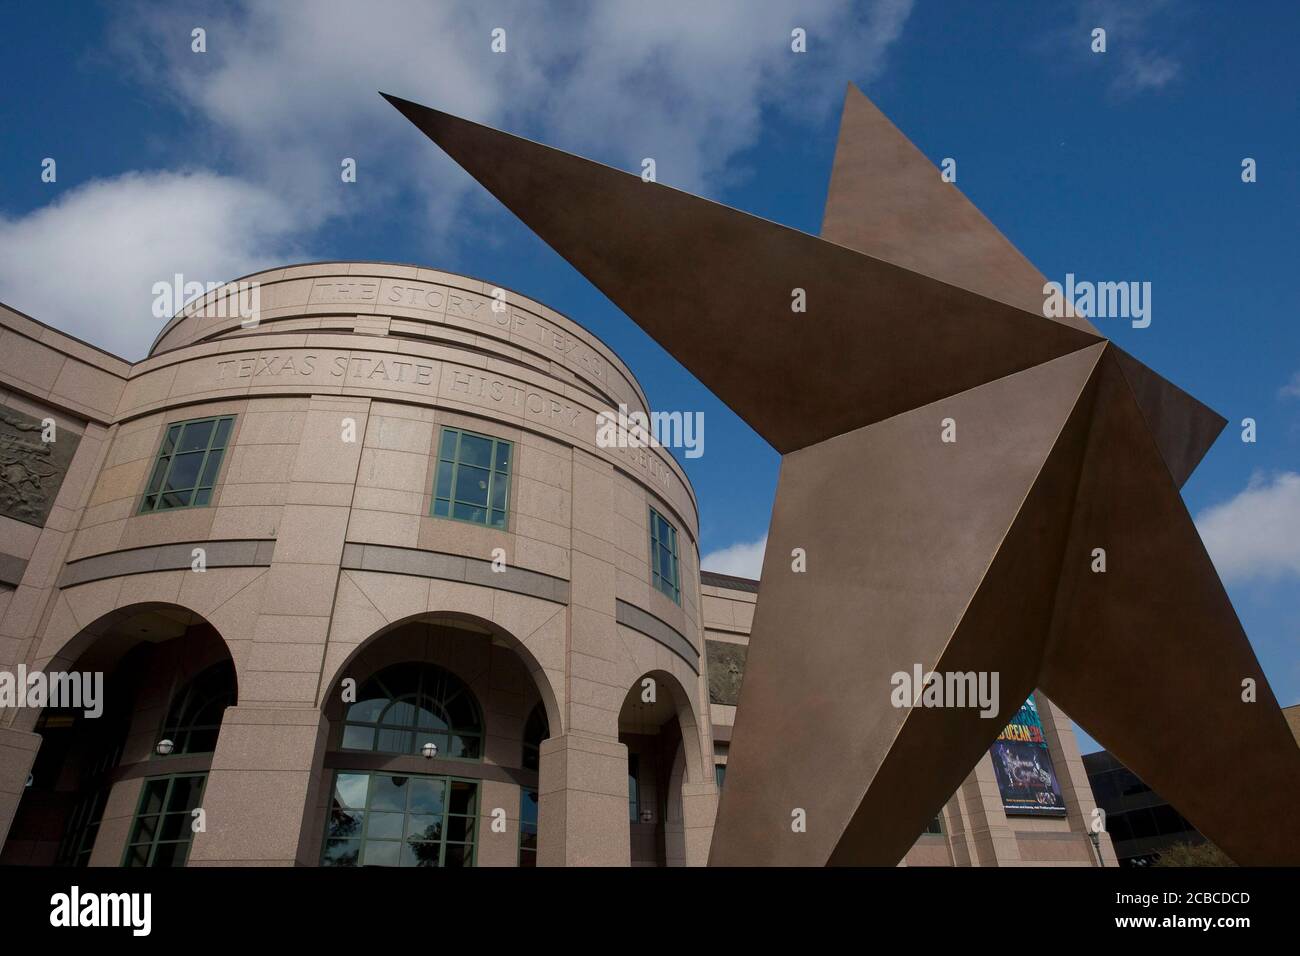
(1095, 837)
(165, 747)
(430, 750)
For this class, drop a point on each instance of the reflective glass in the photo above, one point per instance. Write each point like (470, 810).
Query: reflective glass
(442, 484)
(381, 853)
(385, 825)
(341, 853)
(475, 450)
(384, 834)
(195, 435)
(427, 795)
(472, 480)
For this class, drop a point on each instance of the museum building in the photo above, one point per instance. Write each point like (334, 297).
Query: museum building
(363, 589)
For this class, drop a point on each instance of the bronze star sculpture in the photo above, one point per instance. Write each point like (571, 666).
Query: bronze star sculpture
(975, 554)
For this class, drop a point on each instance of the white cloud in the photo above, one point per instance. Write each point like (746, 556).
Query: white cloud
(1257, 533)
(292, 84)
(743, 560)
(87, 262)
(1132, 59)
(287, 90)
(1146, 70)
(1291, 389)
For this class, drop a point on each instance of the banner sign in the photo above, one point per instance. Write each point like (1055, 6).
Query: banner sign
(1023, 766)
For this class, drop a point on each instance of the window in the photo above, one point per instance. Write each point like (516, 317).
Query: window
(528, 828)
(719, 774)
(633, 789)
(535, 731)
(83, 827)
(377, 819)
(187, 465)
(405, 706)
(162, 830)
(194, 719)
(472, 482)
(663, 556)
(935, 826)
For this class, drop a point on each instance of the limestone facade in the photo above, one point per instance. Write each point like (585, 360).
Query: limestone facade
(323, 563)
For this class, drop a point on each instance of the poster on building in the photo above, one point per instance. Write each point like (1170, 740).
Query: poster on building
(1023, 766)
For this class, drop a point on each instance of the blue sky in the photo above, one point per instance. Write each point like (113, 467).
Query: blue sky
(1123, 165)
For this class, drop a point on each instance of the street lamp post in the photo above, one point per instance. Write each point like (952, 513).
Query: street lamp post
(1095, 837)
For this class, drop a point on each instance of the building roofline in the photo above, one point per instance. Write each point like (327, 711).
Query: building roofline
(68, 335)
(717, 579)
(406, 265)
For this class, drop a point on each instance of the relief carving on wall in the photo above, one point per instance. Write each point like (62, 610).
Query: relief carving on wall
(31, 469)
(726, 664)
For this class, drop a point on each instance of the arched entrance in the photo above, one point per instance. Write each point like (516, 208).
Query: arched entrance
(431, 755)
(116, 783)
(657, 725)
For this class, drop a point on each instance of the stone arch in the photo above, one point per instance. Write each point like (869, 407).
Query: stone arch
(665, 760)
(226, 598)
(684, 710)
(483, 763)
(149, 621)
(141, 661)
(466, 621)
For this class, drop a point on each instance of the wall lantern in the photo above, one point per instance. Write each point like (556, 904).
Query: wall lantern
(165, 747)
(430, 750)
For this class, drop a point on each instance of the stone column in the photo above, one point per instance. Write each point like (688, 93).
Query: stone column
(115, 825)
(262, 790)
(582, 803)
(498, 849)
(987, 828)
(261, 794)
(954, 829)
(699, 809)
(1073, 778)
(17, 754)
(582, 790)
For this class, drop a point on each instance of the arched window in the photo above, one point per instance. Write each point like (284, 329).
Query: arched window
(535, 731)
(194, 718)
(405, 706)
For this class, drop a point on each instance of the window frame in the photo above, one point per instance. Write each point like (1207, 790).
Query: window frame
(79, 836)
(182, 706)
(443, 841)
(452, 731)
(528, 828)
(536, 721)
(155, 842)
(674, 595)
(495, 475)
(193, 491)
(633, 788)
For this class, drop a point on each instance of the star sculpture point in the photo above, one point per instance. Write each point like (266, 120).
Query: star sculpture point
(953, 460)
